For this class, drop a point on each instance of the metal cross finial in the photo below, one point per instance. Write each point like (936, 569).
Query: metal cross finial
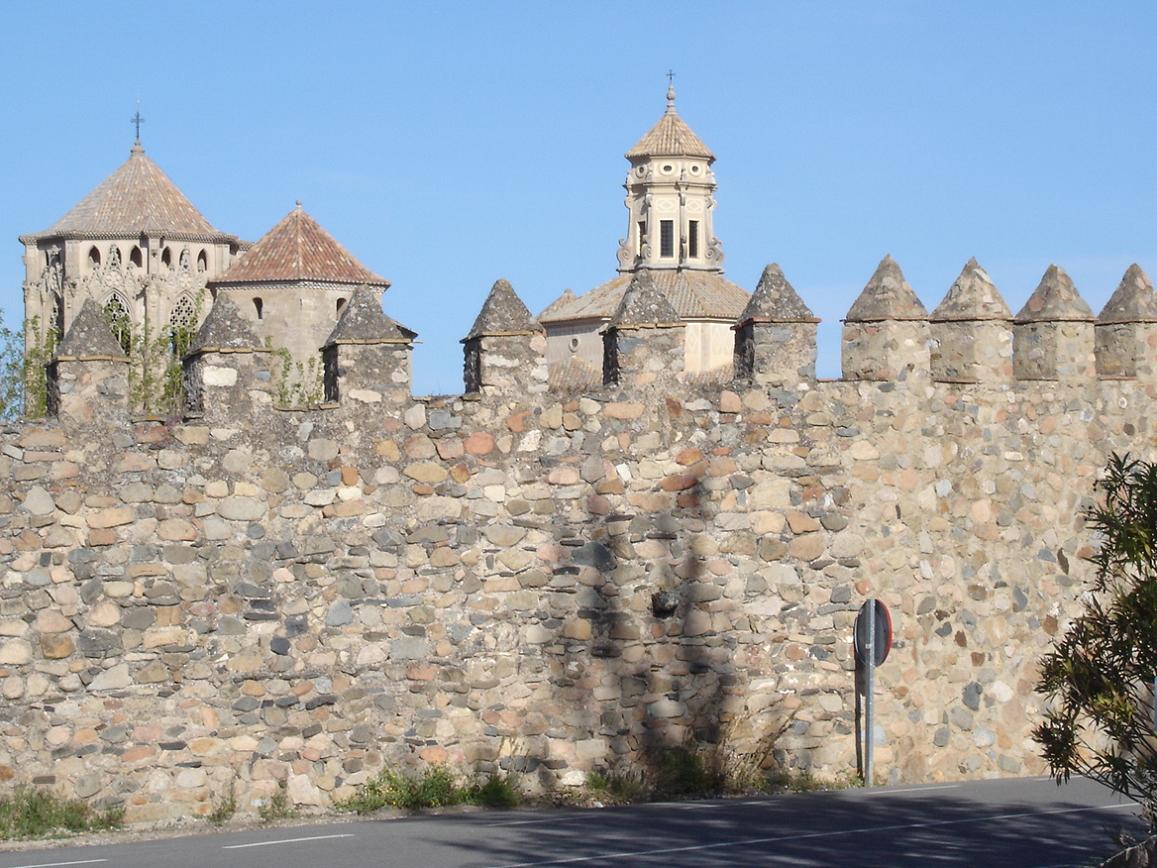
(136, 120)
(670, 77)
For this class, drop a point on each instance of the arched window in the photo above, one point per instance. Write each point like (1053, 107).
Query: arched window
(167, 258)
(136, 258)
(182, 326)
(93, 257)
(340, 305)
(202, 261)
(116, 313)
(259, 306)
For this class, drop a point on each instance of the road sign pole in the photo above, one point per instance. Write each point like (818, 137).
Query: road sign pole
(869, 684)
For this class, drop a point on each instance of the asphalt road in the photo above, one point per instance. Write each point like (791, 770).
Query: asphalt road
(1020, 823)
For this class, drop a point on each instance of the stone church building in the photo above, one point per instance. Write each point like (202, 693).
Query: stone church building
(139, 248)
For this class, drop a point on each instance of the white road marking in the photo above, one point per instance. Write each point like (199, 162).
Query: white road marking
(285, 841)
(887, 792)
(780, 838)
(54, 864)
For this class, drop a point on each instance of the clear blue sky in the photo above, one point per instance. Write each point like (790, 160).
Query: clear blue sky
(450, 144)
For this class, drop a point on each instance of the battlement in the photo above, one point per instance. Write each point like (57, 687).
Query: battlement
(888, 336)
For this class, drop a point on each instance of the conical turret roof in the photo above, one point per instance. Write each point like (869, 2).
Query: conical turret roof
(1055, 300)
(670, 137)
(224, 329)
(887, 296)
(298, 250)
(775, 300)
(363, 322)
(89, 337)
(644, 305)
(972, 297)
(1133, 301)
(503, 313)
(138, 198)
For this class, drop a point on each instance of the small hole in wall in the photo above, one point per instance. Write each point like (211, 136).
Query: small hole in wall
(664, 603)
(574, 345)
(259, 307)
(340, 305)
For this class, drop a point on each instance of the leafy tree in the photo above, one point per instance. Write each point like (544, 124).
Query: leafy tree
(11, 372)
(1100, 674)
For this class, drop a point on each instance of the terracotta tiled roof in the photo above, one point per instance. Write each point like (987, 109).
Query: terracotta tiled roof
(694, 295)
(558, 304)
(137, 198)
(298, 249)
(670, 137)
(575, 375)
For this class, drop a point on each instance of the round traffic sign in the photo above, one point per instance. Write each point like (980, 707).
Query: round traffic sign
(883, 633)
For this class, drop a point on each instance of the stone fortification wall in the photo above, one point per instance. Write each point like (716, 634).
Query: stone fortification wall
(540, 584)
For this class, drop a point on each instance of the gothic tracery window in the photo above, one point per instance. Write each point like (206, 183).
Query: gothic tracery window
(182, 325)
(116, 313)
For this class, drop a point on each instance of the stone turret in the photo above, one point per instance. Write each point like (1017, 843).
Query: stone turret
(886, 330)
(775, 336)
(972, 331)
(1053, 333)
(227, 371)
(505, 349)
(367, 356)
(643, 342)
(1126, 330)
(88, 377)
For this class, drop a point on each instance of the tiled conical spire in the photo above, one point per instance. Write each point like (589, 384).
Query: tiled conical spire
(224, 329)
(887, 296)
(1055, 300)
(89, 337)
(644, 305)
(1133, 301)
(363, 322)
(775, 300)
(503, 313)
(670, 137)
(972, 297)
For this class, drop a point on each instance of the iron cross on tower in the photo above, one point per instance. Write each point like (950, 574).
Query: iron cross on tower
(136, 120)
(670, 77)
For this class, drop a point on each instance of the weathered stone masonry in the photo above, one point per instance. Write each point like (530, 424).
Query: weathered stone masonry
(539, 582)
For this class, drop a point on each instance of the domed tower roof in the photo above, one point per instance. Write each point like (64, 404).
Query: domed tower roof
(1133, 301)
(1055, 300)
(973, 296)
(775, 300)
(503, 313)
(887, 296)
(298, 250)
(670, 137)
(137, 199)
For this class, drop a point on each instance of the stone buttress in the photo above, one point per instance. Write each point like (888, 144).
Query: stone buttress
(886, 330)
(228, 375)
(505, 350)
(971, 331)
(643, 342)
(367, 357)
(1126, 330)
(88, 377)
(1053, 333)
(775, 336)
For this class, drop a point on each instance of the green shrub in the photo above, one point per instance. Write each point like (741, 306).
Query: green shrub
(618, 787)
(436, 787)
(278, 806)
(224, 808)
(496, 791)
(33, 813)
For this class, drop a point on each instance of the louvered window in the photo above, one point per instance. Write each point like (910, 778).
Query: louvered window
(666, 237)
(693, 239)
